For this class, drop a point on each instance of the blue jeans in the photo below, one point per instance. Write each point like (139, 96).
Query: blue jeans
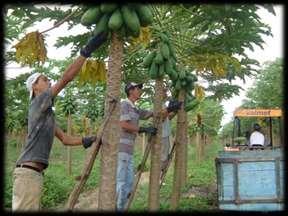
(125, 178)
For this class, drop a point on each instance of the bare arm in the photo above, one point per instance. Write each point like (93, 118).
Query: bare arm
(68, 75)
(171, 115)
(129, 127)
(67, 139)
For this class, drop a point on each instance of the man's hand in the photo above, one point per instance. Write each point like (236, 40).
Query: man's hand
(87, 141)
(174, 105)
(149, 130)
(93, 44)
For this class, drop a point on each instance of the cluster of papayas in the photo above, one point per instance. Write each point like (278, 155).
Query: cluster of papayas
(185, 80)
(162, 60)
(123, 18)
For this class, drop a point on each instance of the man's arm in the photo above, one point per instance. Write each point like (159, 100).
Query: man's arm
(67, 139)
(129, 127)
(68, 75)
(172, 115)
(75, 67)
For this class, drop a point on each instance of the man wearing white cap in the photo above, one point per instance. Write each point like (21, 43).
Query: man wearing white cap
(28, 174)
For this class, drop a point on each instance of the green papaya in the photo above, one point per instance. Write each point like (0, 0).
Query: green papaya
(158, 58)
(178, 85)
(108, 7)
(131, 20)
(183, 83)
(164, 50)
(173, 75)
(144, 14)
(148, 59)
(168, 67)
(102, 24)
(182, 74)
(161, 71)
(91, 16)
(116, 20)
(172, 51)
(153, 71)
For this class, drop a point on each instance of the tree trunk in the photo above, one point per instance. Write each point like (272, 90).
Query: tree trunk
(185, 152)
(154, 186)
(198, 147)
(111, 136)
(69, 128)
(179, 155)
(143, 143)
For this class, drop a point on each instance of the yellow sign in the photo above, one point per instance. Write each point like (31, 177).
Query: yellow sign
(258, 112)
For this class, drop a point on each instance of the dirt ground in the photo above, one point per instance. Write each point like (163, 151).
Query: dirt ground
(88, 201)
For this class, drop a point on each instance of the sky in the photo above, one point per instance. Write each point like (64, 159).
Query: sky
(273, 48)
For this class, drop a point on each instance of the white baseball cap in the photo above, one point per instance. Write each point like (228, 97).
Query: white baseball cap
(30, 81)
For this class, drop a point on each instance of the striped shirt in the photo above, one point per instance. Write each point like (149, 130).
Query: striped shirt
(129, 112)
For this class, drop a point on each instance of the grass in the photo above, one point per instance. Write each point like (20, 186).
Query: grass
(58, 184)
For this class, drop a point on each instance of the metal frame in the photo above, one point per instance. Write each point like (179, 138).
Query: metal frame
(235, 162)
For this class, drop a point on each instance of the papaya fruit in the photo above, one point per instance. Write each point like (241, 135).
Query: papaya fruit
(168, 67)
(158, 58)
(116, 20)
(91, 16)
(153, 71)
(148, 59)
(108, 7)
(172, 51)
(173, 75)
(164, 50)
(131, 20)
(182, 75)
(102, 24)
(145, 14)
(178, 85)
(161, 71)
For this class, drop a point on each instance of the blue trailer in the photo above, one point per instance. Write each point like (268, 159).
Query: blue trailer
(251, 178)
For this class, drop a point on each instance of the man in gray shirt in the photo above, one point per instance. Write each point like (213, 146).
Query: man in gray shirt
(28, 174)
(129, 120)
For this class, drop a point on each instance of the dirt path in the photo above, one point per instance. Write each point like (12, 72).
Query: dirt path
(88, 200)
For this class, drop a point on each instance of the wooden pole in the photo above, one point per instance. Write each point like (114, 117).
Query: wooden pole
(138, 174)
(69, 127)
(89, 162)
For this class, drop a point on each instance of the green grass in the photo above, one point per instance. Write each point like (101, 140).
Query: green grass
(200, 174)
(58, 184)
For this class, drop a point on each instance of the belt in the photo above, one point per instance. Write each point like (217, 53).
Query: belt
(29, 167)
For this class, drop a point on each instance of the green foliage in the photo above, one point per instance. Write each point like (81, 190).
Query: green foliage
(267, 92)
(211, 112)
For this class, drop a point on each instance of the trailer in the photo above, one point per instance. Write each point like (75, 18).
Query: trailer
(251, 178)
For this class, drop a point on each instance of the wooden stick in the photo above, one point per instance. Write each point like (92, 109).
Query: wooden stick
(139, 172)
(170, 156)
(89, 162)
(60, 22)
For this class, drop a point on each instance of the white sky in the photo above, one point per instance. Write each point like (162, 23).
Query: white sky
(273, 48)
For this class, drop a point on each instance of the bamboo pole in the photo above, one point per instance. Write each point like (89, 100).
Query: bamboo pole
(89, 162)
(69, 127)
(137, 177)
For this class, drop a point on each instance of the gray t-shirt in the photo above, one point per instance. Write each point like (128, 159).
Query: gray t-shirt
(41, 130)
(166, 126)
(128, 112)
